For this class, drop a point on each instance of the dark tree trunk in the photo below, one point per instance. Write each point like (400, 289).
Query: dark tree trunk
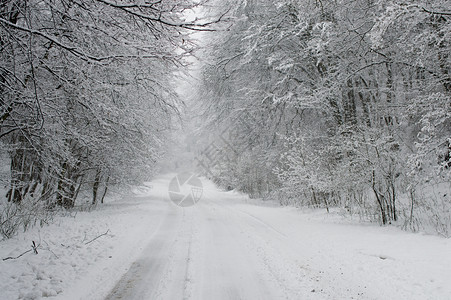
(106, 189)
(80, 183)
(25, 171)
(379, 199)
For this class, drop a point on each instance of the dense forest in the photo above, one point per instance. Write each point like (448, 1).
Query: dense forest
(320, 103)
(333, 104)
(87, 97)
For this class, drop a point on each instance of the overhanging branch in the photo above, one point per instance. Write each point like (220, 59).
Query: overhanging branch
(77, 52)
(436, 12)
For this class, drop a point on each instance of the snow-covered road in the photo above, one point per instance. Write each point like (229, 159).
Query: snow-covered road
(224, 247)
(213, 250)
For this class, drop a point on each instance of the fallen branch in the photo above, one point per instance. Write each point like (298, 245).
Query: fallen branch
(18, 256)
(34, 248)
(48, 249)
(97, 237)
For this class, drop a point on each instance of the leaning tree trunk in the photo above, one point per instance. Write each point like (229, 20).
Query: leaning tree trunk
(379, 198)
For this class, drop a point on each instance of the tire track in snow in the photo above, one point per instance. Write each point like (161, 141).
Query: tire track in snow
(144, 274)
(176, 280)
(187, 285)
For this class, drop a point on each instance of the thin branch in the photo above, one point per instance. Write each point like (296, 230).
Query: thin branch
(73, 50)
(78, 52)
(97, 237)
(435, 12)
(190, 26)
(34, 248)
(133, 5)
(10, 257)
(8, 132)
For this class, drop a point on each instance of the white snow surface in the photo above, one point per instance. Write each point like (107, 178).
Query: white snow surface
(224, 247)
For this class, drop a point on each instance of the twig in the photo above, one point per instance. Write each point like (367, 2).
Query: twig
(97, 237)
(84, 238)
(34, 248)
(48, 249)
(17, 256)
(86, 56)
(436, 12)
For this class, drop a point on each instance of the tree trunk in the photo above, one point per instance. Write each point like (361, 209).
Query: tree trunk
(80, 183)
(106, 189)
(379, 199)
(95, 186)
(66, 187)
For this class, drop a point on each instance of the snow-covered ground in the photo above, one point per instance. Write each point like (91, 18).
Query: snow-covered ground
(222, 248)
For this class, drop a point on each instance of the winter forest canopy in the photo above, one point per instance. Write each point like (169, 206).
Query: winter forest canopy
(87, 96)
(331, 104)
